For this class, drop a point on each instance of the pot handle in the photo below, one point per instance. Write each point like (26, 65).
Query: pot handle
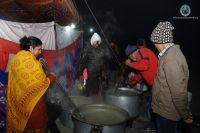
(96, 129)
(130, 121)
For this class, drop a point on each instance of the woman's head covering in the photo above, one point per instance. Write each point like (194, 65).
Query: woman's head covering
(95, 37)
(162, 33)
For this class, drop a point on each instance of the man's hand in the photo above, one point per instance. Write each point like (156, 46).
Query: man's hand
(128, 62)
(188, 119)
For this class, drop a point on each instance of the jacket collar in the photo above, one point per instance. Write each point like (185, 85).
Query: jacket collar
(165, 49)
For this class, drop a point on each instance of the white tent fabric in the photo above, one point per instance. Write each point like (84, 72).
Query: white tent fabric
(65, 36)
(13, 31)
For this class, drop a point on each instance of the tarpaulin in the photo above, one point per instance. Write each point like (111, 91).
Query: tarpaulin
(7, 48)
(14, 31)
(64, 62)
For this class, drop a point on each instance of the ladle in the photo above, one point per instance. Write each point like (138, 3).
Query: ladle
(66, 96)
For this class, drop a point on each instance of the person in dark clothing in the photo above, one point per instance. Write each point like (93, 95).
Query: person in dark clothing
(93, 57)
(115, 68)
(54, 111)
(3, 86)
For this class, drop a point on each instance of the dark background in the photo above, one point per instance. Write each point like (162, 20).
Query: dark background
(124, 21)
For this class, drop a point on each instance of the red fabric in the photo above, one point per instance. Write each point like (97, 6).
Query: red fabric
(38, 118)
(134, 79)
(51, 55)
(42, 130)
(4, 60)
(146, 66)
(51, 78)
(7, 47)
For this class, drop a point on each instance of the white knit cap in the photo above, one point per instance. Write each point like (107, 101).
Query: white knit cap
(95, 37)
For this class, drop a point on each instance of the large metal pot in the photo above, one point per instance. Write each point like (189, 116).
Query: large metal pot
(100, 118)
(125, 98)
(65, 117)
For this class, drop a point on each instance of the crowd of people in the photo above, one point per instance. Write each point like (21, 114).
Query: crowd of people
(162, 79)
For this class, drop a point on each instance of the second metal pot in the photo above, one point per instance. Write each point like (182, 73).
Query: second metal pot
(125, 98)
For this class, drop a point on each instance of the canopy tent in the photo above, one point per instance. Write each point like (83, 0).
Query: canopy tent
(13, 31)
(52, 35)
(63, 44)
(44, 19)
(62, 12)
(61, 48)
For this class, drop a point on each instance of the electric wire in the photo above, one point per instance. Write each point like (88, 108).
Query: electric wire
(107, 42)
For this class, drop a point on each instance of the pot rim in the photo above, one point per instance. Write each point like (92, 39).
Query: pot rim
(114, 124)
(120, 96)
(77, 100)
(124, 89)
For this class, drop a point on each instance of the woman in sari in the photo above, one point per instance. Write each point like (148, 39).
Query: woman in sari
(27, 84)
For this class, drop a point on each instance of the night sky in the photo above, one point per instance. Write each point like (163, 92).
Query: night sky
(124, 21)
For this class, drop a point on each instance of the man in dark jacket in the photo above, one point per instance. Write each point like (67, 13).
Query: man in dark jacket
(93, 57)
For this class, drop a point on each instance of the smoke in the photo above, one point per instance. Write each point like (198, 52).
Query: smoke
(111, 27)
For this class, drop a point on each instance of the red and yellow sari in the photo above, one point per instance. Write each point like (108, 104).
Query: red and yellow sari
(27, 84)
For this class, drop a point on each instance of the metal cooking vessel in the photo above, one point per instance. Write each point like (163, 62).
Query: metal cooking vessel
(125, 98)
(100, 118)
(65, 117)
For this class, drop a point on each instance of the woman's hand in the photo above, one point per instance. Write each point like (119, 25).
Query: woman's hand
(52, 77)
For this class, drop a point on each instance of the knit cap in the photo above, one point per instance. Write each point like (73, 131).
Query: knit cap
(162, 33)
